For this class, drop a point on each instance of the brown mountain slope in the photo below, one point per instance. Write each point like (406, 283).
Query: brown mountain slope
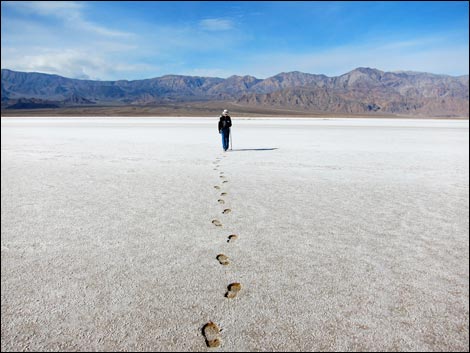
(360, 91)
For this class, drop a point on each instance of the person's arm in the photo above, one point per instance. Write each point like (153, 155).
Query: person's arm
(220, 123)
(229, 122)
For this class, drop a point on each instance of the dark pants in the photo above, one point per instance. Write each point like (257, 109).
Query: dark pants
(225, 138)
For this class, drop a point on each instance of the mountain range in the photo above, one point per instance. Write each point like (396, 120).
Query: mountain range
(360, 91)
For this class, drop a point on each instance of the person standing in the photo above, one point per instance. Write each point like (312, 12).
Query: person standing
(224, 128)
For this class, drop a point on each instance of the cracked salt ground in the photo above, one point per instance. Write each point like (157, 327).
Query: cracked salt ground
(146, 240)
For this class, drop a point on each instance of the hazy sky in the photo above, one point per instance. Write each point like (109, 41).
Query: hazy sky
(111, 40)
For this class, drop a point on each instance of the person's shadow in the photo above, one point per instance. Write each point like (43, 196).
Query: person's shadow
(254, 149)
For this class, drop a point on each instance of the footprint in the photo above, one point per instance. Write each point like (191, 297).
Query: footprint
(232, 238)
(211, 333)
(223, 194)
(221, 172)
(217, 187)
(227, 210)
(233, 289)
(216, 223)
(221, 201)
(225, 181)
(221, 177)
(222, 259)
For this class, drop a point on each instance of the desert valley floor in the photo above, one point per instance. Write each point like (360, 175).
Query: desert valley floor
(352, 234)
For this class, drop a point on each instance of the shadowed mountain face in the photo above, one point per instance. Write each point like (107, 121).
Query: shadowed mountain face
(360, 91)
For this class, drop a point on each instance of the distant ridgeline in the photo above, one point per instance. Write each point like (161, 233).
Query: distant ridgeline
(360, 91)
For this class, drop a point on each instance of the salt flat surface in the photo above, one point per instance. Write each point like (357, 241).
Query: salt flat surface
(353, 235)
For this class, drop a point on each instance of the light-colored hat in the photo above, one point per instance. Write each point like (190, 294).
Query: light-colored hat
(225, 112)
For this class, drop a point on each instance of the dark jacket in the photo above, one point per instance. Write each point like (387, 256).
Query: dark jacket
(225, 123)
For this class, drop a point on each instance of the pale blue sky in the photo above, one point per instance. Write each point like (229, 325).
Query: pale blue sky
(111, 40)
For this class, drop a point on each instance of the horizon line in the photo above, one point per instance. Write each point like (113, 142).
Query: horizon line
(280, 73)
